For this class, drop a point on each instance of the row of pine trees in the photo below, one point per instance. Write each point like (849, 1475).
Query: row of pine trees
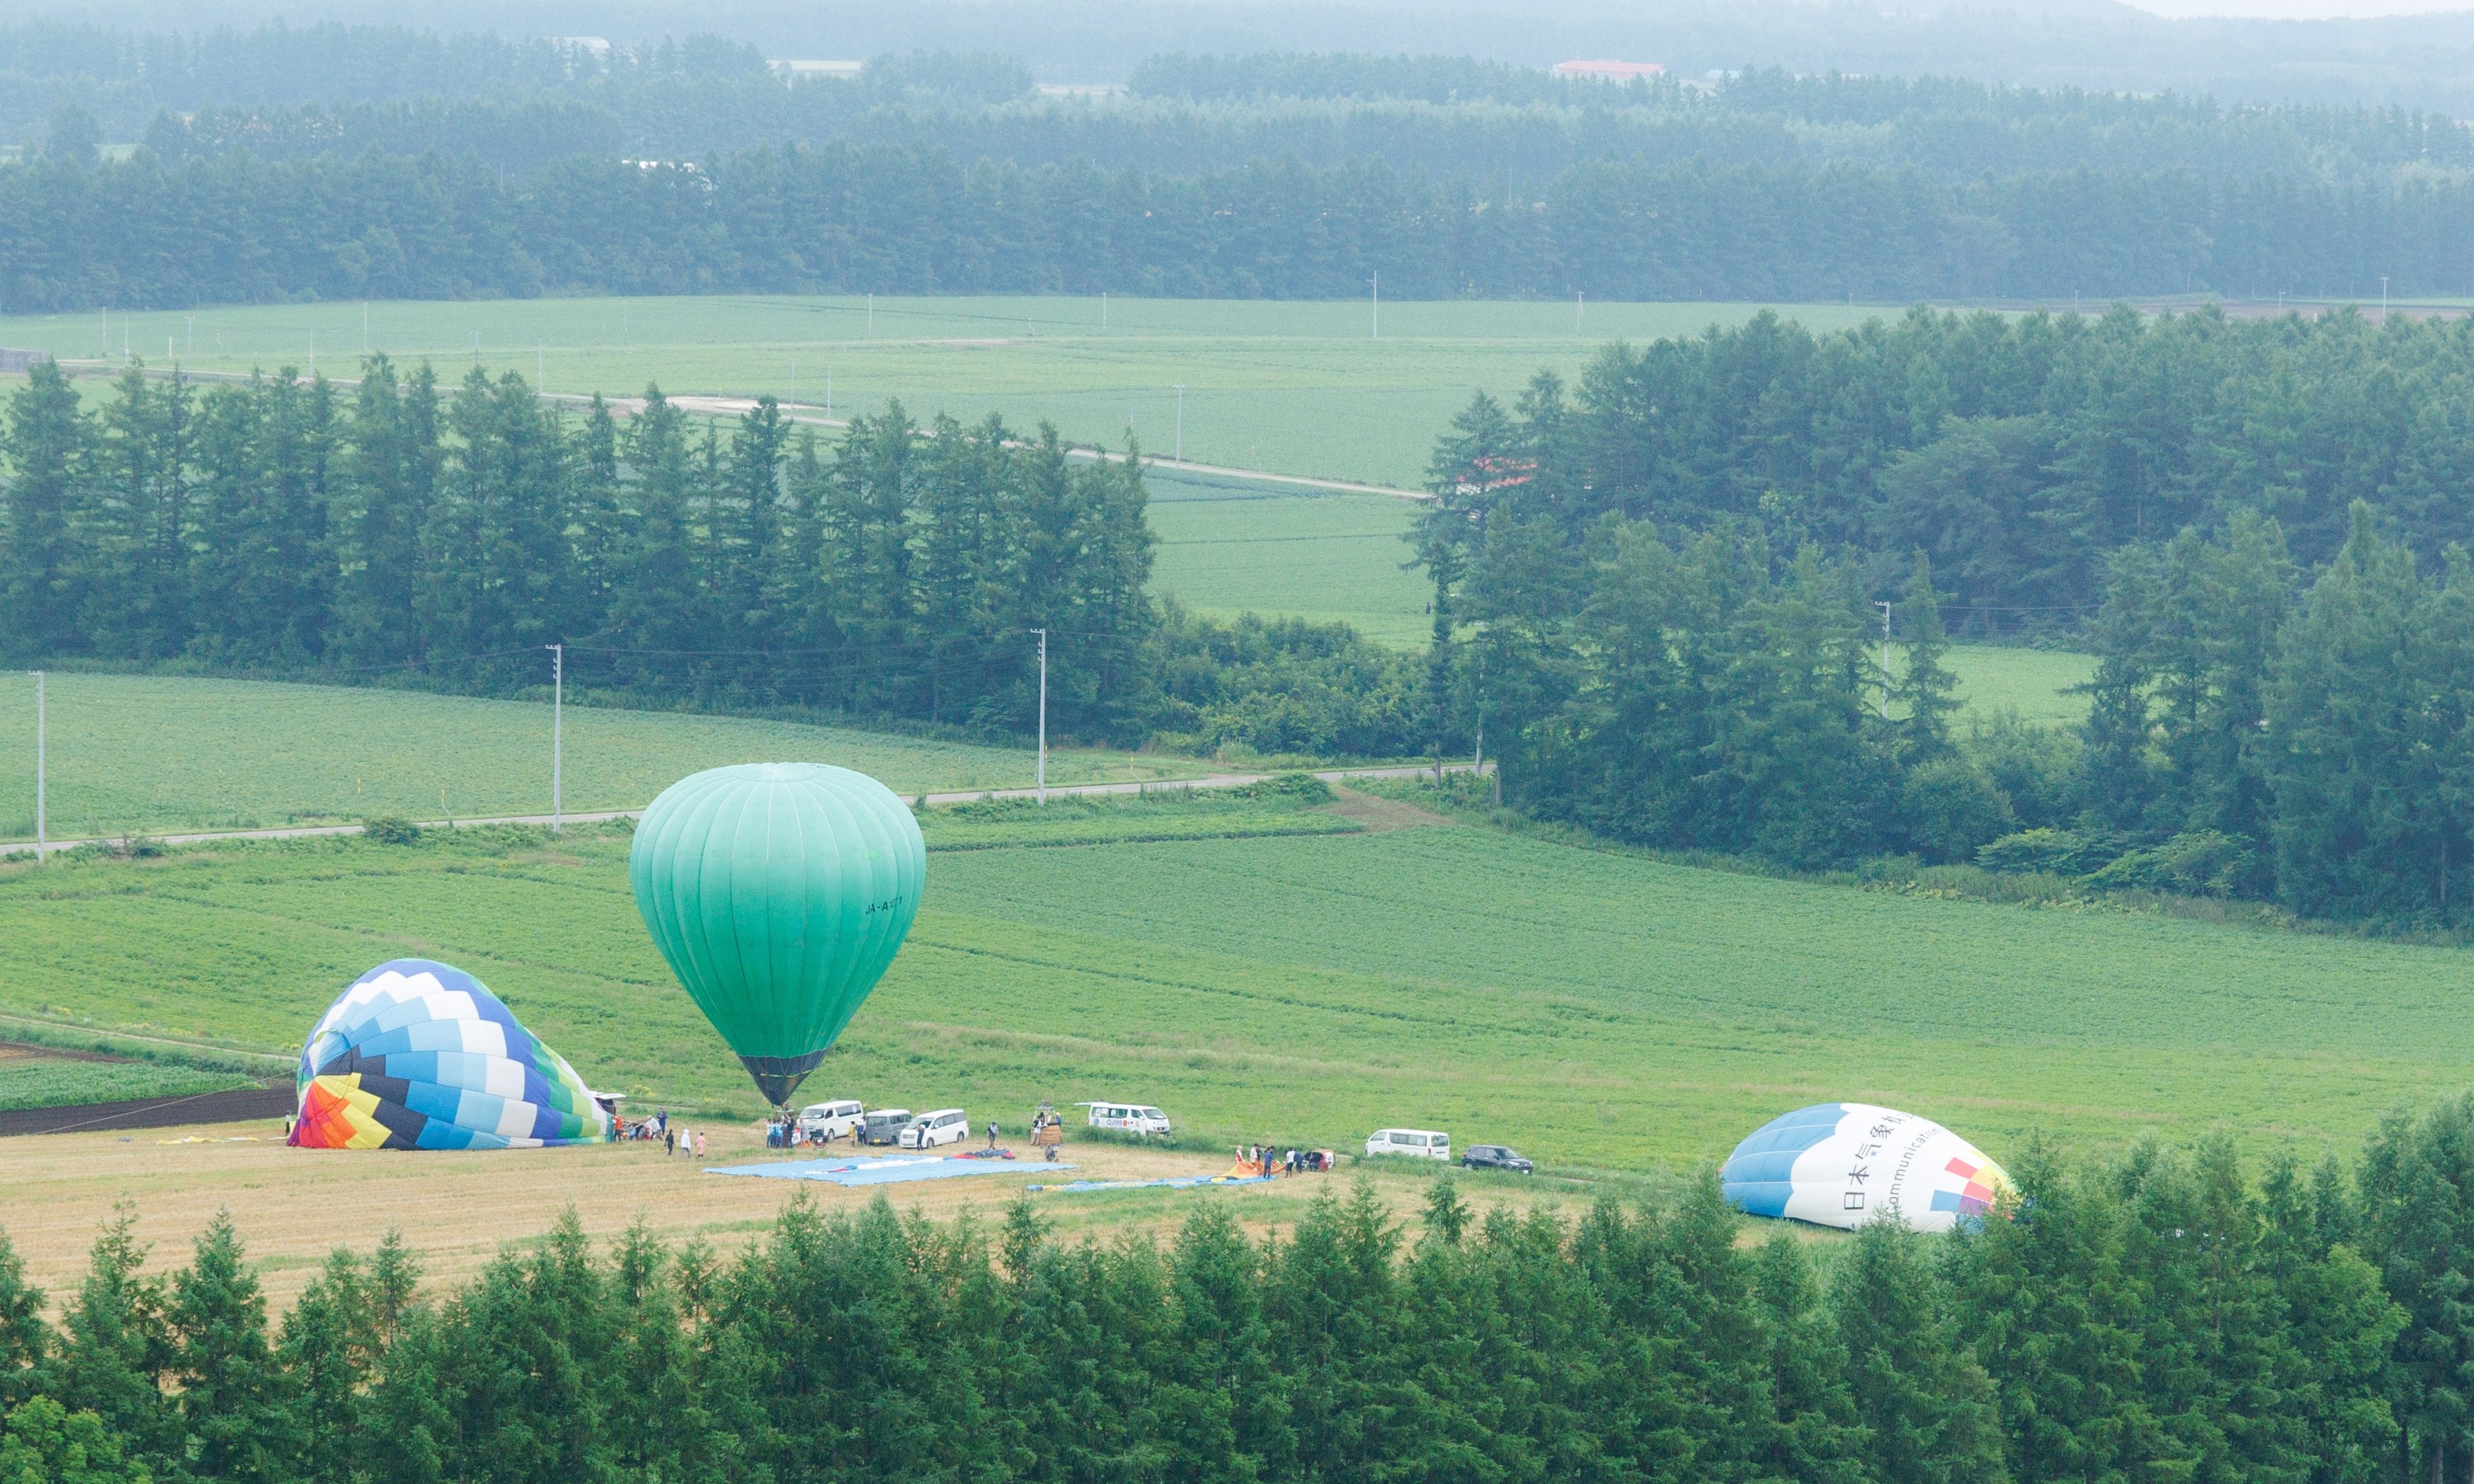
(402, 528)
(847, 216)
(2155, 1315)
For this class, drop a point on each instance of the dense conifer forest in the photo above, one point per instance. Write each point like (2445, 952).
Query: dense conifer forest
(297, 164)
(1663, 589)
(2155, 1315)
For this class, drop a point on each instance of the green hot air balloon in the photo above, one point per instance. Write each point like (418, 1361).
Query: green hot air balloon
(779, 892)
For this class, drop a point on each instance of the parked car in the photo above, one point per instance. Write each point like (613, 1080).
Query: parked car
(883, 1126)
(1496, 1156)
(821, 1122)
(1132, 1118)
(944, 1126)
(1423, 1143)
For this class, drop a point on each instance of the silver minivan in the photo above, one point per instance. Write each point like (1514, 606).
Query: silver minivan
(883, 1126)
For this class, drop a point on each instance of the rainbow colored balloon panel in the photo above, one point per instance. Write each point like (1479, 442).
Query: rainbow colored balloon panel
(419, 1055)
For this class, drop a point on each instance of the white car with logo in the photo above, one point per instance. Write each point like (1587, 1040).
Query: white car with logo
(944, 1126)
(1129, 1117)
(1418, 1143)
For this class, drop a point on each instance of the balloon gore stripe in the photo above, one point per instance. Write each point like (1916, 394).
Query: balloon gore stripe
(419, 1055)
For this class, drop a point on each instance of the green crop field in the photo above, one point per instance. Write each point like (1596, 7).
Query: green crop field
(1228, 547)
(160, 754)
(1593, 1007)
(60, 1083)
(1295, 388)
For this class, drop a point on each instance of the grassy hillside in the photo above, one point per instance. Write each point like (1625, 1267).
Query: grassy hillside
(1292, 387)
(1594, 1008)
(164, 755)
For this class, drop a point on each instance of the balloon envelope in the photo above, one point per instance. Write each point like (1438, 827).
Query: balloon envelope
(1841, 1164)
(417, 1055)
(779, 892)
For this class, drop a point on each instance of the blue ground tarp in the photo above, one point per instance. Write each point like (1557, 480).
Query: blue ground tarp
(851, 1170)
(1181, 1183)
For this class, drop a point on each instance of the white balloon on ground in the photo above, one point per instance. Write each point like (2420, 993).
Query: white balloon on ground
(1841, 1164)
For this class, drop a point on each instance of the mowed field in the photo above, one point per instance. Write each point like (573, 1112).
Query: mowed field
(161, 754)
(1295, 388)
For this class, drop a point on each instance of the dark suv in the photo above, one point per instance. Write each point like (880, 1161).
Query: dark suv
(1496, 1156)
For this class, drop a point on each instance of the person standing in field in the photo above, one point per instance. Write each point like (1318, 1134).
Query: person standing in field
(669, 1142)
(700, 1148)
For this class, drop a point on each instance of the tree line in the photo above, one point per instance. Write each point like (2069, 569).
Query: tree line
(405, 530)
(2158, 1314)
(1664, 598)
(146, 234)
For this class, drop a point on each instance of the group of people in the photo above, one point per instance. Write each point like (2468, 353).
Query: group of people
(785, 1132)
(1268, 1160)
(674, 1141)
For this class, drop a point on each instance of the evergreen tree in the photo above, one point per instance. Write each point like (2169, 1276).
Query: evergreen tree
(1926, 689)
(115, 1347)
(233, 1394)
(1928, 1409)
(25, 1339)
(50, 447)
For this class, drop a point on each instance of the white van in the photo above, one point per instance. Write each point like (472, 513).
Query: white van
(1130, 1117)
(821, 1122)
(1423, 1143)
(944, 1126)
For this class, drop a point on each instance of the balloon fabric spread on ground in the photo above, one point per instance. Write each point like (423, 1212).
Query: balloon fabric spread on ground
(418, 1055)
(779, 892)
(1841, 1164)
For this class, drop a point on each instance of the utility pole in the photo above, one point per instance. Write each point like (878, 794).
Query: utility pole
(1885, 659)
(1103, 311)
(2384, 298)
(1180, 424)
(1580, 302)
(1376, 332)
(193, 337)
(40, 856)
(1043, 714)
(557, 730)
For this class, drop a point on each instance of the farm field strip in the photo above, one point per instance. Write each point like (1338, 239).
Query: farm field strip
(1597, 1009)
(1288, 387)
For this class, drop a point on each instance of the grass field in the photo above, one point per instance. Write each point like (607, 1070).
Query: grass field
(1228, 547)
(164, 755)
(1598, 1010)
(1291, 387)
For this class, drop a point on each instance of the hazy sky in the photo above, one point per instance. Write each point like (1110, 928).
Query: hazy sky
(2299, 10)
